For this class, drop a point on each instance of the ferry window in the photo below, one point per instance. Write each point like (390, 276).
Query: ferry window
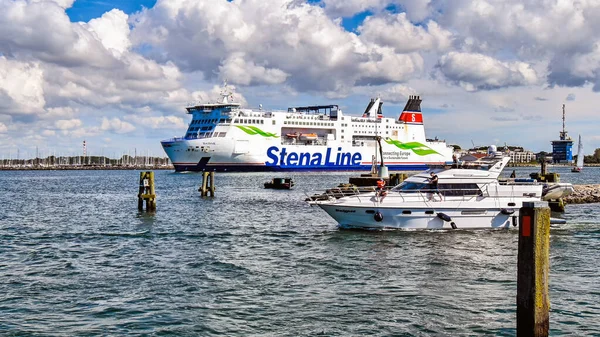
(342, 130)
(273, 122)
(262, 121)
(342, 136)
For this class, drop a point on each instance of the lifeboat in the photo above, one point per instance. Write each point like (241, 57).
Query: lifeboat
(308, 136)
(292, 135)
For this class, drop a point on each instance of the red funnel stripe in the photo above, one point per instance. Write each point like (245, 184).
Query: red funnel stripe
(411, 117)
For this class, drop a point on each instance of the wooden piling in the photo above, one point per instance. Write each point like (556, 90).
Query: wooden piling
(208, 184)
(533, 302)
(146, 191)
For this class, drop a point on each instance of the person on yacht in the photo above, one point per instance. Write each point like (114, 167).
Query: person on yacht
(380, 189)
(433, 185)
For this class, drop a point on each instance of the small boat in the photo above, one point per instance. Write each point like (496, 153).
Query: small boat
(280, 183)
(579, 165)
(554, 191)
(292, 135)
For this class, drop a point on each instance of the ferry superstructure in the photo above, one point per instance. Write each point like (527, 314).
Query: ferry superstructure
(226, 137)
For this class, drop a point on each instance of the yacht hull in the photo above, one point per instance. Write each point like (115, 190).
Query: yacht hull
(399, 218)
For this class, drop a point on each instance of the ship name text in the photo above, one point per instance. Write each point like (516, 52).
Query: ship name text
(280, 157)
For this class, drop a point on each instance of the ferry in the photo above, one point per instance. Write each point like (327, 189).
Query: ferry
(225, 137)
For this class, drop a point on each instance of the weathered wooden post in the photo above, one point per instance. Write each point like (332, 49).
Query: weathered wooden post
(208, 184)
(212, 184)
(533, 302)
(146, 191)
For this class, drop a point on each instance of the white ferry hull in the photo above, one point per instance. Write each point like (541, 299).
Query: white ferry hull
(221, 155)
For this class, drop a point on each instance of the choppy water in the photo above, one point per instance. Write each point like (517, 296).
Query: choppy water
(78, 259)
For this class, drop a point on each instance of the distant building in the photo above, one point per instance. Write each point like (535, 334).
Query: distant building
(522, 156)
(562, 151)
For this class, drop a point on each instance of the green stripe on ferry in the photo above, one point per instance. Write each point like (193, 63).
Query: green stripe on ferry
(253, 130)
(416, 147)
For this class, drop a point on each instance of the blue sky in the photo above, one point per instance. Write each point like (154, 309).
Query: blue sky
(121, 82)
(85, 10)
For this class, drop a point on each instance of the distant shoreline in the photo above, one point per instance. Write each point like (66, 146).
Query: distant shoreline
(84, 168)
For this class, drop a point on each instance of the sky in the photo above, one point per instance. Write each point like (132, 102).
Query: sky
(118, 74)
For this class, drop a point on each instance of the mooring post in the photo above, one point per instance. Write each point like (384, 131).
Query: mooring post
(533, 302)
(208, 184)
(147, 192)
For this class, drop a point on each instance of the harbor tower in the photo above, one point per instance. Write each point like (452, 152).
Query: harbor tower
(562, 149)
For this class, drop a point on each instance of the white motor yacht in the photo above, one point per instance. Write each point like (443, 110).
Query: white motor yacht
(469, 195)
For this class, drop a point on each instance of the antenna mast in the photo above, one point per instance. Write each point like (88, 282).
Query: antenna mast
(563, 118)
(563, 134)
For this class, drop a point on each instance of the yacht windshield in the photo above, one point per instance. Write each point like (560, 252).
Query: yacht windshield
(410, 187)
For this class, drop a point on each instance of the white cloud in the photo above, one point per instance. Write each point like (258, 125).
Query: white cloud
(347, 8)
(49, 133)
(42, 31)
(113, 31)
(3, 128)
(59, 112)
(68, 124)
(62, 3)
(21, 85)
(163, 122)
(397, 93)
(478, 71)
(246, 72)
(398, 32)
(116, 125)
(259, 42)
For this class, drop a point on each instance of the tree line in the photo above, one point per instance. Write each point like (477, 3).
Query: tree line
(592, 159)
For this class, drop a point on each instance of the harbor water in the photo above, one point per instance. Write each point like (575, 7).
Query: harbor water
(78, 259)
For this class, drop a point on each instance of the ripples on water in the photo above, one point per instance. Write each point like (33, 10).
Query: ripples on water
(78, 259)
